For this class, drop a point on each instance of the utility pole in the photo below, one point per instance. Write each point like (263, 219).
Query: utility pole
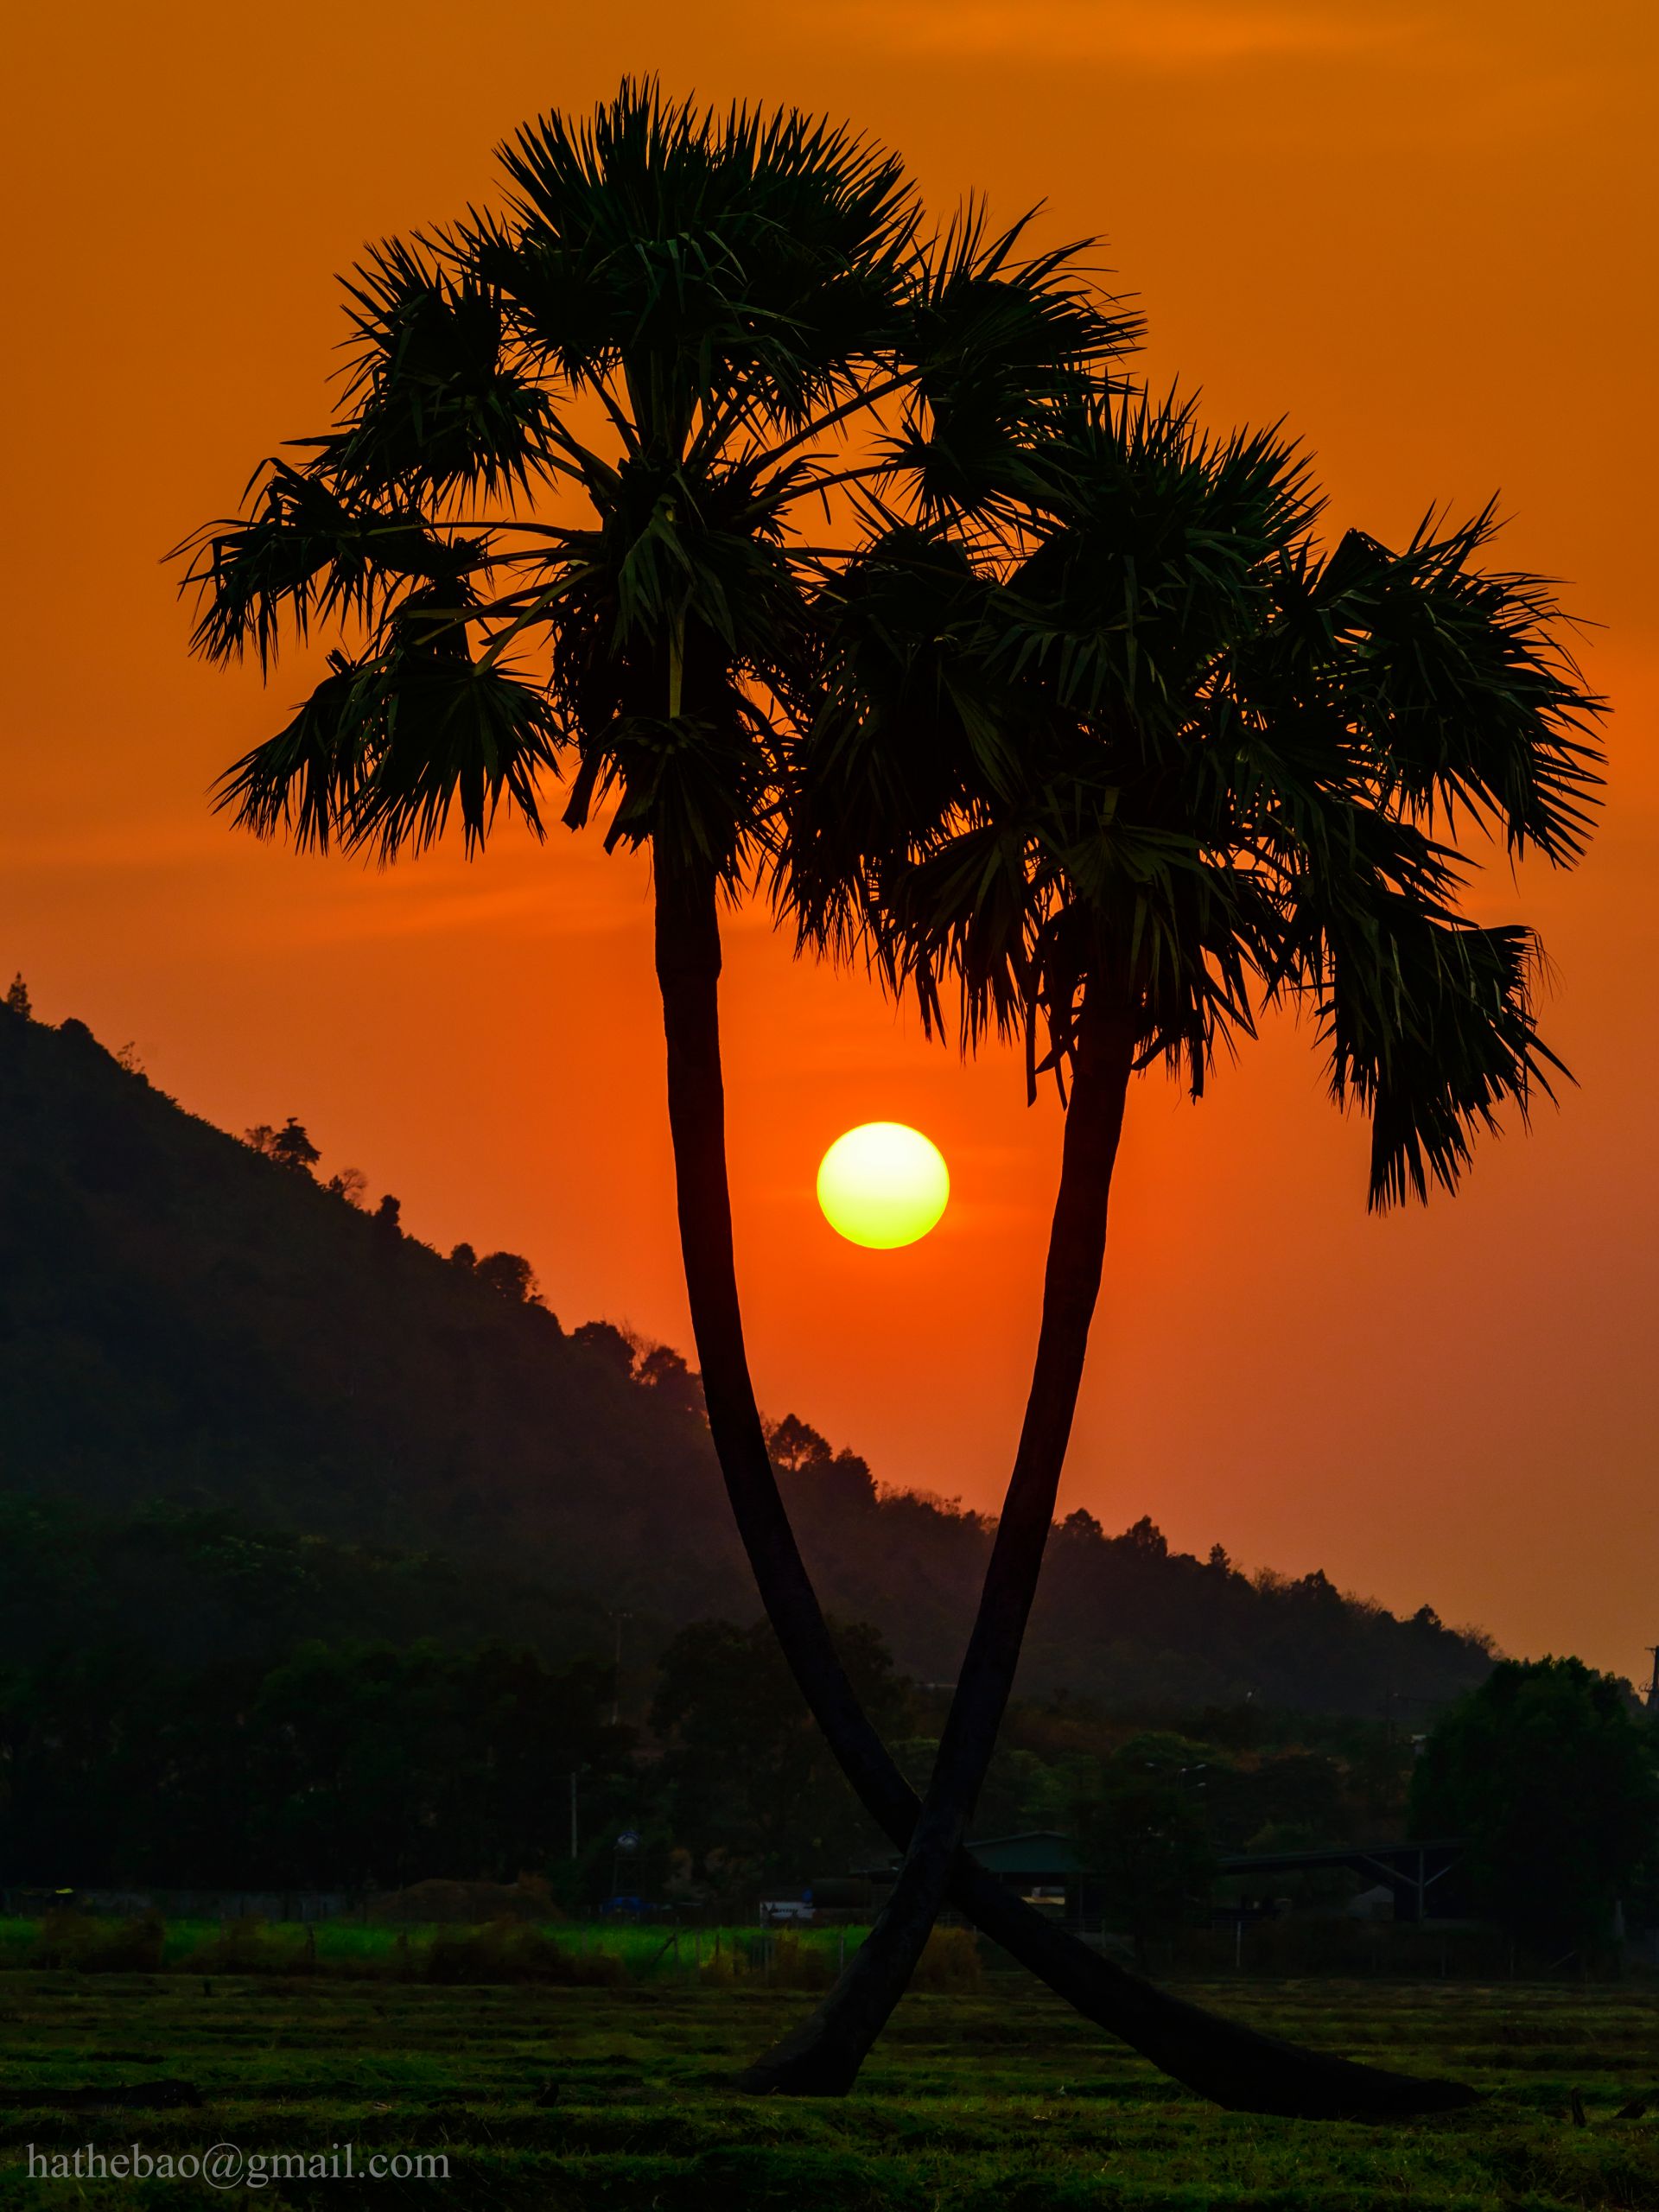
(576, 1849)
(1652, 1687)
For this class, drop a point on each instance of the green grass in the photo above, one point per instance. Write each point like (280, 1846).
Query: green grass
(571, 2099)
(804, 1957)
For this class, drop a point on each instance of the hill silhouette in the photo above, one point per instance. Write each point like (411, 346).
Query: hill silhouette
(212, 1365)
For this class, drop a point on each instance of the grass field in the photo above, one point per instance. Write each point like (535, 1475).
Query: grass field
(615, 1951)
(1001, 2102)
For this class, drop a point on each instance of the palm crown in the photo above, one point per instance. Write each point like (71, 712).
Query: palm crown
(1157, 750)
(678, 322)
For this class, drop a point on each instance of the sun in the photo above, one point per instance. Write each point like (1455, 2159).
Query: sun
(883, 1184)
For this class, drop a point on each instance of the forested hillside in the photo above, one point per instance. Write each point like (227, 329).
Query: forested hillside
(191, 1328)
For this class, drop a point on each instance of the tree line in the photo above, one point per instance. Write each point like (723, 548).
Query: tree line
(374, 1766)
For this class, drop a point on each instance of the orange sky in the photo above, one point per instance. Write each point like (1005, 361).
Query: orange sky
(1421, 234)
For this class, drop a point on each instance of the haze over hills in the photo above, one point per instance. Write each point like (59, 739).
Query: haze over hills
(205, 1354)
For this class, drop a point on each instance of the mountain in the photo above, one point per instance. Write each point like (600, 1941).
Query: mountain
(203, 1347)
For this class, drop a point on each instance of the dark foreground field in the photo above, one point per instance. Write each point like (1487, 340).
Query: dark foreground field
(1004, 2102)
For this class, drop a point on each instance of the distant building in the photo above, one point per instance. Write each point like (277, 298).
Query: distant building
(1042, 1867)
(1421, 1879)
(1406, 1881)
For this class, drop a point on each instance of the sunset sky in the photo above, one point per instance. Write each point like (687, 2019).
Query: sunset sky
(1421, 235)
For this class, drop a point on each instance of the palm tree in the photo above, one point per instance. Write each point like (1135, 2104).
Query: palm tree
(677, 326)
(1165, 765)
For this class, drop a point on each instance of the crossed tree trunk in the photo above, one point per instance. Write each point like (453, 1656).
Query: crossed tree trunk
(825, 2052)
(1233, 2065)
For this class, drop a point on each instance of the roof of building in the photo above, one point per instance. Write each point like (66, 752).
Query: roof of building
(1040, 1851)
(1404, 1861)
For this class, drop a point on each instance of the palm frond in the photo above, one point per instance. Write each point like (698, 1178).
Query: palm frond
(900, 728)
(997, 342)
(1461, 685)
(451, 736)
(701, 258)
(306, 780)
(692, 789)
(388, 746)
(1428, 1026)
(1153, 548)
(436, 403)
(311, 552)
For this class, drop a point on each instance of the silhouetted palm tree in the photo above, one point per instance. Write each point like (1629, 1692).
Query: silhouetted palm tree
(675, 324)
(1161, 766)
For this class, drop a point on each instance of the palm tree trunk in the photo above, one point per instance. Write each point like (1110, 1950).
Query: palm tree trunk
(822, 2055)
(1218, 2058)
